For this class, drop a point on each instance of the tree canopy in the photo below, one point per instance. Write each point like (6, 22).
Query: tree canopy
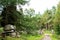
(9, 14)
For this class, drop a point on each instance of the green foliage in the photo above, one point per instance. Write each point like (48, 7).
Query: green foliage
(12, 2)
(30, 22)
(9, 13)
(57, 20)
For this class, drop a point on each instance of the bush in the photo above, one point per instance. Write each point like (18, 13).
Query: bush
(57, 29)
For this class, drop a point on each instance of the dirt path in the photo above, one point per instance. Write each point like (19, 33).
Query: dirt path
(47, 37)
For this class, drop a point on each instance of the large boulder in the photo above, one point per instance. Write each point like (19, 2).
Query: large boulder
(13, 34)
(9, 27)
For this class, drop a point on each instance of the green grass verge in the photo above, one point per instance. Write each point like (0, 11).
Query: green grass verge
(47, 32)
(30, 37)
(54, 37)
(25, 37)
(37, 37)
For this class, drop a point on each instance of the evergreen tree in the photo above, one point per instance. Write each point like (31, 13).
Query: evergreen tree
(10, 15)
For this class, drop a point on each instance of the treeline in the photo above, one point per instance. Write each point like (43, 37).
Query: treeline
(48, 20)
(28, 21)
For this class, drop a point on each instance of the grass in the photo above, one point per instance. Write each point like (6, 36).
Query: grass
(37, 37)
(33, 37)
(47, 32)
(10, 38)
(25, 37)
(30, 37)
(53, 37)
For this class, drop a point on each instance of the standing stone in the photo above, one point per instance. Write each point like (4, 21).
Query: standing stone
(13, 34)
(9, 27)
(17, 34)
(10, 30)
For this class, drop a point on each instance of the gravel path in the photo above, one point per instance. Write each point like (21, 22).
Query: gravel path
(47, 37)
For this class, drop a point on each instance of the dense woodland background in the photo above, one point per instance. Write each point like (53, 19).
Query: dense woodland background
(27, 21)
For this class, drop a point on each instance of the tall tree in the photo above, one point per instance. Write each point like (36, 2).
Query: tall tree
(9, 14)
(57, 19)
(46, 17)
